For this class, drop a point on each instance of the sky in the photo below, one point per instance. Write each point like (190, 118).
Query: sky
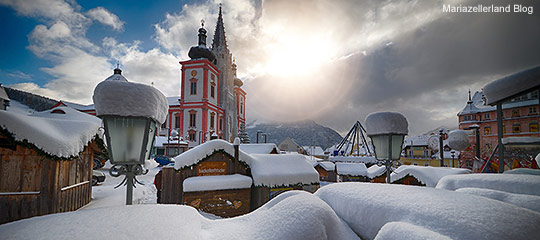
(330, 61)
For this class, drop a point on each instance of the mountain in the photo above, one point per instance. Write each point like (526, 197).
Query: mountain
(305, 132)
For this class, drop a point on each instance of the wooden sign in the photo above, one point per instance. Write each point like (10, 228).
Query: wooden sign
(212, 168)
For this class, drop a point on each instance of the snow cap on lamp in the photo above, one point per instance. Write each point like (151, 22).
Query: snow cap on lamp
(379, 123)
(116, 96)
(458, 140)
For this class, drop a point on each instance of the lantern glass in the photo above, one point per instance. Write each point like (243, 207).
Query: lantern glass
(381, 144)
(127, 139)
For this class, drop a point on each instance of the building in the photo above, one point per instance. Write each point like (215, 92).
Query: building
(46, 160)
(212, 101)
(520, 119)
(419, 151)
(289, 145)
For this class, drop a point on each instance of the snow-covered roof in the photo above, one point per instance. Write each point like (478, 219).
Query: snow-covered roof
(358, 159)
(198, 153)
(77, 106)
(173, 101)
(429, 176)
(351, 169)
(116, 96)
(275, 170)
(313, 150)
(435, 213)
(261, 148)
(511, 183)
(477, 105)
(385, 123)
(521, 140)
(271, 170)
(3, 94)
(420, 140)
(61, 135)
(375, 171)
(218, 182)
(327, 165)
(511, 85)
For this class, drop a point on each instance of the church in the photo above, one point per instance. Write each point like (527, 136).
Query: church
(212, 101)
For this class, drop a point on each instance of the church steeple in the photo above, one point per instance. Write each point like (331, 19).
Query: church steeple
(219, 33)
(201, 51)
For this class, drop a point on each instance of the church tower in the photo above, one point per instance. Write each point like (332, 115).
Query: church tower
(200, 109)
(227, 96)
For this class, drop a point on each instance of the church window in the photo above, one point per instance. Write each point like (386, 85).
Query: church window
(533, 127)
(212, 120)
(516, 128)
(192, 119)
(193, 88)
(176, 121)
(212, 91)
(221, 124)
(241, 107)
(192, 136)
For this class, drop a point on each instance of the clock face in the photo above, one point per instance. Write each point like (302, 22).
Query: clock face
(194, 73)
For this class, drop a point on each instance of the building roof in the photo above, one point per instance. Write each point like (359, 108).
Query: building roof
(352, 169)
(261, 148)
(429, 176)
(62, 133)
(3, 94)
(352, 159)
(270, 170)
(327, 165)
(511, 85)
(313, 150)
(478, 105)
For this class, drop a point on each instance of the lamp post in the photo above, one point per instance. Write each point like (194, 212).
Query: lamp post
(453, 154)
(476, 129)
(387, 131)
(129, 131)
(264, 135)
(441, 148)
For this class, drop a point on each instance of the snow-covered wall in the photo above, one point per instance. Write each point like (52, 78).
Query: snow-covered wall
(429, 176)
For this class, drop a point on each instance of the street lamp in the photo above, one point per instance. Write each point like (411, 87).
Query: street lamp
(258, 132)
(387, 131)
(130, 124)
(453, 154)
(458, 140)
(476, 129)
(441, 147)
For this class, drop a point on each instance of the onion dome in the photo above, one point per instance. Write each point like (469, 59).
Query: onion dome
(238, 82)
(117, 76)
(201, 51)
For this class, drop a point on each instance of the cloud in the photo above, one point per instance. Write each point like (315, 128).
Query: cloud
(105, 17)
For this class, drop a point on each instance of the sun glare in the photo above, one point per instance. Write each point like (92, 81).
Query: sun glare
(295, 55)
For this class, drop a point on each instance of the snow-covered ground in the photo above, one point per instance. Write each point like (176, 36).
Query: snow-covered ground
(105, 195)
(336, 211)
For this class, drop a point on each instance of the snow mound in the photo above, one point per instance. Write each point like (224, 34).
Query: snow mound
(291, 215)
(126, 222)
(127, 99)
(529, 171)
(61, 135)
(521, 200)
(261, 148)
(367, 207)
(429, 176)
(327, 165)
(386, 122)
(397, 230)
(458, 140)
(218, 182)
(511, 183)
(357, 159)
